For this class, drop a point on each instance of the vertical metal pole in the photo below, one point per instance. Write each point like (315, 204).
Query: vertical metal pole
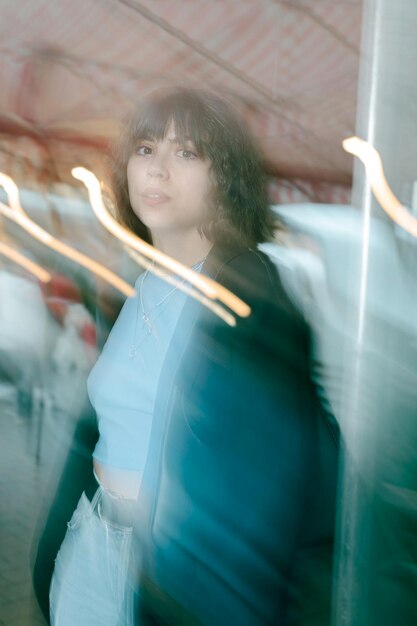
(375, 580)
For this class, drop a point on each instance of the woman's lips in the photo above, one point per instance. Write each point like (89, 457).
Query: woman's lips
(154, 197)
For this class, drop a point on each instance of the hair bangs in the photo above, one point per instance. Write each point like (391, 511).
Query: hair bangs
(189, 122)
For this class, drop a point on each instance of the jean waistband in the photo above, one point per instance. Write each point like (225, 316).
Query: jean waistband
(109, 507)
(91, 486)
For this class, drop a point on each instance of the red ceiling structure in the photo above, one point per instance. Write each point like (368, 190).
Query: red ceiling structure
(71, 69)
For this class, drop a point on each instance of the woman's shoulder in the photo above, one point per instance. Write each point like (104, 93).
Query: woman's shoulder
(246, 271)
(235, 258)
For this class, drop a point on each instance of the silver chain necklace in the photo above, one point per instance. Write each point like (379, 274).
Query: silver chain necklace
(146, 315)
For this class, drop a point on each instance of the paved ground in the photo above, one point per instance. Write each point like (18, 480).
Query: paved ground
(27, 479)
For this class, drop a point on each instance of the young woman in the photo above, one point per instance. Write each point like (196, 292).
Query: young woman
(214, 471)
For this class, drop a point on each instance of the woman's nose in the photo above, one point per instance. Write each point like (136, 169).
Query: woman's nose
(158, 167)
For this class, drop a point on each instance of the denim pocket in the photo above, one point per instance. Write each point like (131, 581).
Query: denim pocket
(89, 581)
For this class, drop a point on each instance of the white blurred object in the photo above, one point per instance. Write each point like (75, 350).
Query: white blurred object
(26, 330)
(316, 260)
(337, 232)
(303, 275)
(72, 359)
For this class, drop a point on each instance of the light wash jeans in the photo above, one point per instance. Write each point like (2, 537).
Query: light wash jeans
(89, 582)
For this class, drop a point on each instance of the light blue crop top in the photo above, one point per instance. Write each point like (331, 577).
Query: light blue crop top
(122, 385)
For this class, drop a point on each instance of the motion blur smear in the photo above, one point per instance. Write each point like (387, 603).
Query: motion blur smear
(305, 75)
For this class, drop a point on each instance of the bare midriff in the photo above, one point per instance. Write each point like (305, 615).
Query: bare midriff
(119, 482)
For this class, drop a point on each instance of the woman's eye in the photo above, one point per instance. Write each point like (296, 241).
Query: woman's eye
(187, 154)
(144, 150)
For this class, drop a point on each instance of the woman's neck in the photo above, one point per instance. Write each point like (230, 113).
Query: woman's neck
(186, 249)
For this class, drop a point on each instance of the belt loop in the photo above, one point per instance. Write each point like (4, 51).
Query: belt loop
(95, 502)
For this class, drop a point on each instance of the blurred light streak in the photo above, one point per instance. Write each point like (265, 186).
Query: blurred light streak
(12, 192)
(18, 216)
(209, 287)
(15, 256)
(217, 309)
(379, 185)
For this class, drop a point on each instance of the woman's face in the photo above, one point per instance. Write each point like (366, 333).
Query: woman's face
(170, 186)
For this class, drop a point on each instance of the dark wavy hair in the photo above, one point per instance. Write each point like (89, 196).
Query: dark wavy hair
(239, 212)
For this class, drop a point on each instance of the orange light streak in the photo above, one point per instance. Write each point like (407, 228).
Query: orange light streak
(379, 185)
(183, 286)
(18, 215)
(210, 288)
(12, 192)
(15, 256)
